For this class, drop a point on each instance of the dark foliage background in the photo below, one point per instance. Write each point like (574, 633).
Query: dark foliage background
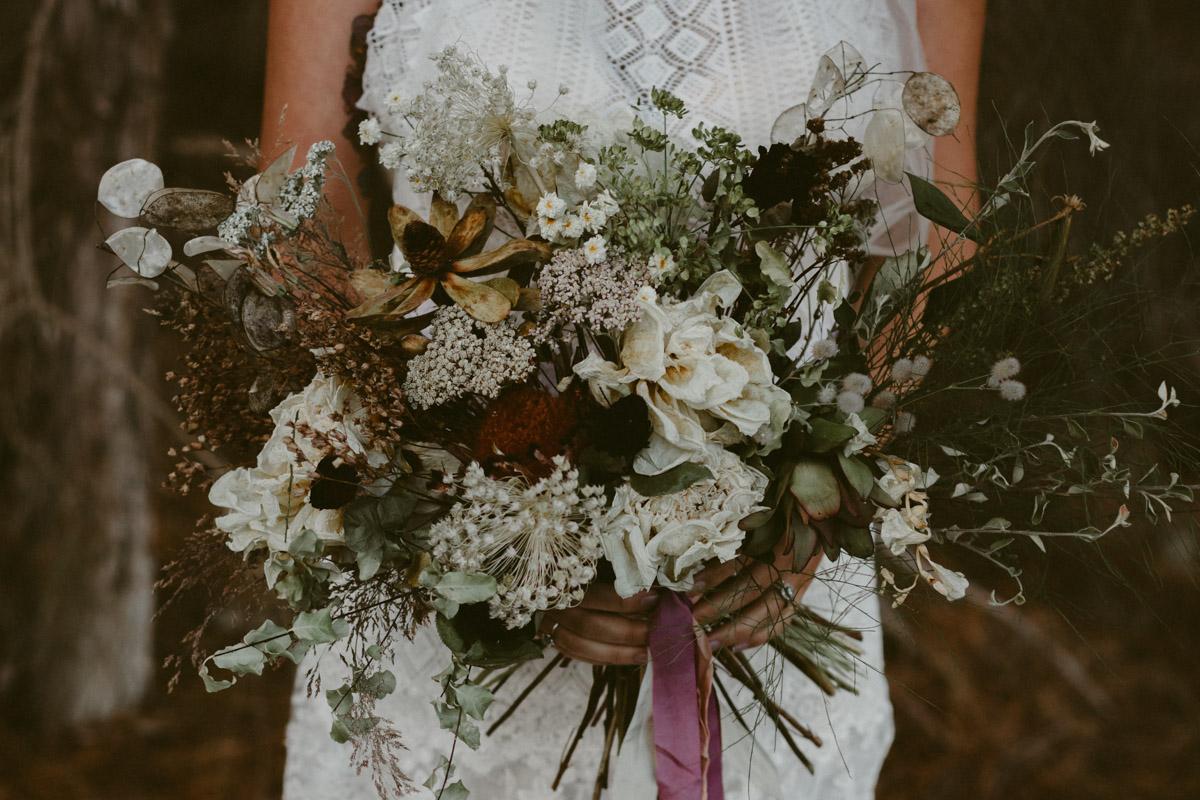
(1090, 690)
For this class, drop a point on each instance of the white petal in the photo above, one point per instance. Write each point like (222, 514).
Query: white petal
(125, 187)
(204, 244)
(884, 142)
(145, 251)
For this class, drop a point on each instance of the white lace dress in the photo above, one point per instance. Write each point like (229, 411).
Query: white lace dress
(736, 63)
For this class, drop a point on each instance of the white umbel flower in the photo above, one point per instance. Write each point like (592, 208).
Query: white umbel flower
(538, 541)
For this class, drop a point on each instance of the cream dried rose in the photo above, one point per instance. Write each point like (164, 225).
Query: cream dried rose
(669, 538)
(702, 377)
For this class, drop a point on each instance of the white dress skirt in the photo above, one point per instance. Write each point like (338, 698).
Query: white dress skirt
(737, 64)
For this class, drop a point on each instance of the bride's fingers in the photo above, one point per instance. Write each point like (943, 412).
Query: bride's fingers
(759, 621)
(738, 591)
(606, 628)
(604, 597)
(590, 651)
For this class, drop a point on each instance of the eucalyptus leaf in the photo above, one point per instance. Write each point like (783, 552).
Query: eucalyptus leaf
(380, 684)
(775, 269)
(240, 659)
(211, 684)
(674, 480)
(270, 638)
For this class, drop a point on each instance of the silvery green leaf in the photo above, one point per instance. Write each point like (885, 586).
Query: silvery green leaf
(204, 244)
(883, 143)
(143, 250)
(211, 684)
(270, 638)
(240, 659)
(124, 187)
(474, 699)
(462, 587)
(455, 791)
(774, 268)
(190, 210)
(305, 544)
(857, 473)
(268, 183)
(381, 684)
(674, 480)
(185, 275)
(315, 627)
(931, 102)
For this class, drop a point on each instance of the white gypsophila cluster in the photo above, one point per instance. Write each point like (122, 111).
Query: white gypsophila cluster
(464, 118)
(267, 503)
(602, 295)
(370, 131)
(467, 356)
(296, 201)
(538, 541)
(668, 538)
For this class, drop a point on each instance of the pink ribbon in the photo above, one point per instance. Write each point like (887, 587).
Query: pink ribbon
(687, 724)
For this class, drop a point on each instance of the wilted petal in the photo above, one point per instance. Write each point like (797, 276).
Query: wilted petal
(143, 250)
(482, 302)
(399, 218)
(506, 256)
(125, 186)
(204, 244)
(443, 214)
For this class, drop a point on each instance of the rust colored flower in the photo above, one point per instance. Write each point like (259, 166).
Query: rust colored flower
(444, 250)
(524, 422)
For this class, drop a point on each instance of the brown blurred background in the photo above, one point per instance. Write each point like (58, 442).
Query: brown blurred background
(1090, 690)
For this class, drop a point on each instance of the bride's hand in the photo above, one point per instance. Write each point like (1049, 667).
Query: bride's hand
(604, 628)
(745, 597)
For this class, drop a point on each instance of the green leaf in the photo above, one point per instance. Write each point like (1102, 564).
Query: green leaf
(827, 435)
(305, 545)
(453, 719)
(455, 791)
(381, 684)
(240, 659)
(775, 269)
(211, 684)
(315, 627)
(270, 638)
(934, 205)
(339, 699)
(874, 418)
(815, 488)
(339, 732)
(676, 479)
(367, 523)
(464, 587)
(474, 699)
(1133, 428)
(857, 542)
(858, 474)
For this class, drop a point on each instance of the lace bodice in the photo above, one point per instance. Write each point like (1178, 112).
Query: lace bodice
(738, 64)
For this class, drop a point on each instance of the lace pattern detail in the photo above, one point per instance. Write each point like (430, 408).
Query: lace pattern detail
(736, 64)
(519, 761)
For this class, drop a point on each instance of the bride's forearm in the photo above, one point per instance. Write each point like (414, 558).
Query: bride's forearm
(308, 50)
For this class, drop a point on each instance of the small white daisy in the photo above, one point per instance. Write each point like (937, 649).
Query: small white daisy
(647, 294)
(570, 227)
(369, 131)
(591, 218)
(551, 227)
(595, 250)
(606, 203)
(585, 176)
(391, 154)
(661, 263)
(396, 102)
(551, 205)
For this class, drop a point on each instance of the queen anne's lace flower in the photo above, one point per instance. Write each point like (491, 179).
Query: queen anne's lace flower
(603, 295)
(538, 541)
(268, 503)
(467, 356)
(672, 536)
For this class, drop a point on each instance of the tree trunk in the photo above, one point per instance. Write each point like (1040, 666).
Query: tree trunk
(76, 413)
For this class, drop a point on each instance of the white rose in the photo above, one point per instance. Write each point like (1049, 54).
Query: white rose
(669, 538)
